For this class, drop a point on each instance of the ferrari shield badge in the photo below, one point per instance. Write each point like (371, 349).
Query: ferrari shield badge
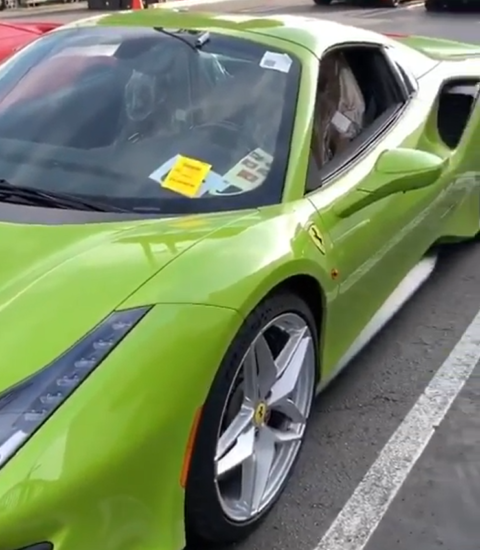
(261, 414)
(316, 237)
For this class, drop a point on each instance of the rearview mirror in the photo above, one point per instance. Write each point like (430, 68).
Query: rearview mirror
(396, 171)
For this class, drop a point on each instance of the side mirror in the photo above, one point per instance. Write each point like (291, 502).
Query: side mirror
(396, 171)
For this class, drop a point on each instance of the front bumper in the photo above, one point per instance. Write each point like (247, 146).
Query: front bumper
(103, 473)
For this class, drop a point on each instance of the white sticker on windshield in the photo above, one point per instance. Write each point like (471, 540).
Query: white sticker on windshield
(276, 61)
(251, 171)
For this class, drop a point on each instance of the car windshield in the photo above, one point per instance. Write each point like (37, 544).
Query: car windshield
(149, 120)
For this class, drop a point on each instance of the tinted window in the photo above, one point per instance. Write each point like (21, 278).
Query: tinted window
(357, 94)
(145, 120)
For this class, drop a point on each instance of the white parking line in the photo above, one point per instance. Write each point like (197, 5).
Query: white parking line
(362, 513)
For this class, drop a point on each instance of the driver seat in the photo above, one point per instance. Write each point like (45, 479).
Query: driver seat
(340, 108)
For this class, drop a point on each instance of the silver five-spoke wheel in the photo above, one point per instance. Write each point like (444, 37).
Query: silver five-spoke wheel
(264, 419)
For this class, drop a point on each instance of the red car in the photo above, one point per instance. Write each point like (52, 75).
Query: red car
(14, 36)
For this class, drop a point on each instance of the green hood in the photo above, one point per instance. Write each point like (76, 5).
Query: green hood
(58, 282)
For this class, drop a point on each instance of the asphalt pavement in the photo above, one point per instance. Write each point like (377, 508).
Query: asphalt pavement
(438, 505)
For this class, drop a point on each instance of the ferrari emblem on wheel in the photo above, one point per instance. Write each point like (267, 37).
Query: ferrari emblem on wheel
(261, 414)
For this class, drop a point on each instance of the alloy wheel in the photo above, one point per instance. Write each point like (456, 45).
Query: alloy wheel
(265, 416)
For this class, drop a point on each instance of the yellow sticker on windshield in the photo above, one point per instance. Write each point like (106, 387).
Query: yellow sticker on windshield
(186, 176)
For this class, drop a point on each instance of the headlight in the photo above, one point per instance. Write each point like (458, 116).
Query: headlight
(26, 406)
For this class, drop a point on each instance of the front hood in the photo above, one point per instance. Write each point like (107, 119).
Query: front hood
(59, 281)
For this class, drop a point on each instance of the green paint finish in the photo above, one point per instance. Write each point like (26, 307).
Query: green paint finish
(440, 48)
(106, 467)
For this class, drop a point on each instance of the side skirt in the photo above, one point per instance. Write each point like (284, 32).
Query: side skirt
(404, 291)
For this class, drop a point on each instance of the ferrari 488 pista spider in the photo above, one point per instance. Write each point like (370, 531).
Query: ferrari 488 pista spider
(202, 220)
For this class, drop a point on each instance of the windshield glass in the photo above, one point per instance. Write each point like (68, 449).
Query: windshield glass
(151, 120)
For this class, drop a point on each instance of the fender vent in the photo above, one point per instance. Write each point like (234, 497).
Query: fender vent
(455, 108)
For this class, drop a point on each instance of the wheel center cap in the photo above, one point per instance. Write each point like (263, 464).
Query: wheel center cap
(261, 414)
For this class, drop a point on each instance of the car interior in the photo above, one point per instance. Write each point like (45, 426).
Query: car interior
(103, 118)
(356, 90)
(35, 110)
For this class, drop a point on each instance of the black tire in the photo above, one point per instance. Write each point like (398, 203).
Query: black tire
(206, 523)
(433, 5)
(322, 2)
(390, 3)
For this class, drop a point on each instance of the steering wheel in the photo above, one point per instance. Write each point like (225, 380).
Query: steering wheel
(227, 127)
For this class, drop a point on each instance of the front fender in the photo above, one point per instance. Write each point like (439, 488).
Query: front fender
(238, 270)
(108, 463)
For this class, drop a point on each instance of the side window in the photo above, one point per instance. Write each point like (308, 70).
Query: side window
(357, 92)
(400, 63)
(410, 84)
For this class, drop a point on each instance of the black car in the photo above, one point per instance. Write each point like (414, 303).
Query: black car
(443, 5)
(379, 3)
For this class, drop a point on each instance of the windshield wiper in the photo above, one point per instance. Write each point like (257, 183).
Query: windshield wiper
(200, 41)
(50, 199)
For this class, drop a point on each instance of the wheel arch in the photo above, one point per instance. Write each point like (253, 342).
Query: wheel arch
(309, 289)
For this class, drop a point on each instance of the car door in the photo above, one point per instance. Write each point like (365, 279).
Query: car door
(375, 247)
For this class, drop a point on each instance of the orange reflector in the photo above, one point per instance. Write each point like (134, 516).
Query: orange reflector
(395, 35)
(190, 445)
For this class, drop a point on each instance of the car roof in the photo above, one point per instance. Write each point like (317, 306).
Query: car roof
(314, 34)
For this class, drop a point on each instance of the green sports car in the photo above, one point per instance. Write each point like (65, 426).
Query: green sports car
(208, 217)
